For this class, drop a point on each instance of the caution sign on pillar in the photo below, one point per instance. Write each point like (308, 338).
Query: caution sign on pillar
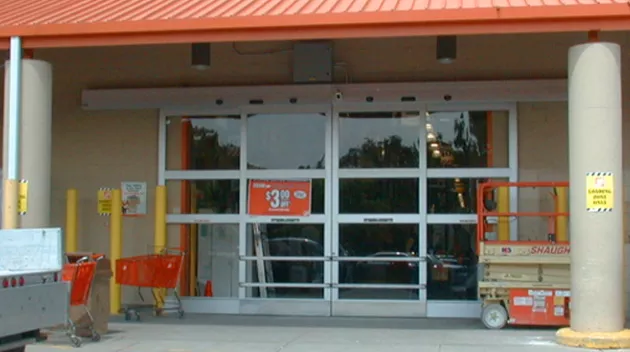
(23, 197)
(599, 192)
(104, 205)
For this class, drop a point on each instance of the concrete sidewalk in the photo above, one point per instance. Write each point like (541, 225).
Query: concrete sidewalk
(209, 333)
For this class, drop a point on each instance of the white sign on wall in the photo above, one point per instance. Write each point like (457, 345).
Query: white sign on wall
(134, 198)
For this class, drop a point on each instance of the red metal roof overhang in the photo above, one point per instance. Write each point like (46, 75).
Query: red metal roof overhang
(116, 22)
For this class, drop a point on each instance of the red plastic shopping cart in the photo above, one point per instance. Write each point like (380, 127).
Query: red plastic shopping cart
(80, 275)
(155, 271)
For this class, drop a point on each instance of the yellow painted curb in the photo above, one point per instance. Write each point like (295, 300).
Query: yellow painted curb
(594, 340)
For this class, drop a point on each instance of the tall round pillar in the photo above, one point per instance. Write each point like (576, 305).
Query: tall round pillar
(35, 139)
(596, 223)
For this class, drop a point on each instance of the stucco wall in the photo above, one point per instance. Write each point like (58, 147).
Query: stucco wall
(101, 149)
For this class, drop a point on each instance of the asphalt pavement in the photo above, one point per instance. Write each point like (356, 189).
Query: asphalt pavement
(217, 333)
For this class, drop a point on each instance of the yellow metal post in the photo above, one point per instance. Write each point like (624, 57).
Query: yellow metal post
(160, 238)
(71, 221)
(10, 203)
(503, 206)
(115, 243)
(562, 224)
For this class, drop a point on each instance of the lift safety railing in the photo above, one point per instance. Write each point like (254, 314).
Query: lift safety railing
(488, 207)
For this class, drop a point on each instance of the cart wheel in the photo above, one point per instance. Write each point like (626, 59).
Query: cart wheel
(76, 341)
(137, 316)
(180, 313)
(96, 337)
(494, 316)
(127, 316)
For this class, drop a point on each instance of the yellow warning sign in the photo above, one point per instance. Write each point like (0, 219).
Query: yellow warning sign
(104, 198)
(22, 197)
(599, 192)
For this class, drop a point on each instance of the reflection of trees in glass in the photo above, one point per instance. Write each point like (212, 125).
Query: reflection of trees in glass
(389, 152)
(469, 147)
(208, 153)
(380, 196)
(373, 196)
(318, 165)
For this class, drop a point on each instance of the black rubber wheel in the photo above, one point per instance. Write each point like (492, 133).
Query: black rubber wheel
(127, 316)
(96, 337)
(181, 313)
(76, 341)
(137, 316)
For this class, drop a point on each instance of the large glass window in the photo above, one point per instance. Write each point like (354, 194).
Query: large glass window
(374, 196)
(451, 262)
(454, 195)
(379, 139)
(378, 240)
(467, 139)
(389, 257)
(217, 259)
(203, 143)
(286, 240)
(286, 141)
(207, 196)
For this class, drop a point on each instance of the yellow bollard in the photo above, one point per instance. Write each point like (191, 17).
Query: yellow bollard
(115, 249)
(562, 224)
(71, 221)
(503, 206)
(10, 203)
(160, 237)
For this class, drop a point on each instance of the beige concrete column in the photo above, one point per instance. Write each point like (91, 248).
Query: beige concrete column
(595, 147)
(35, 140)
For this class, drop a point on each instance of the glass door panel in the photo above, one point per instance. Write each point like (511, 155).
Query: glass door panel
(292, 263)
(468, 139)
(378, 263)
(452, 262)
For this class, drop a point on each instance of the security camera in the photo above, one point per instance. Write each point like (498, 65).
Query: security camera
(338, 95)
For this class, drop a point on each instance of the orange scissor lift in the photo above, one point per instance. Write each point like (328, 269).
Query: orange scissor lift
(524, 281)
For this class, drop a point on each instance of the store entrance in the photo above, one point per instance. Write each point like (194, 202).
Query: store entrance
(343, 210)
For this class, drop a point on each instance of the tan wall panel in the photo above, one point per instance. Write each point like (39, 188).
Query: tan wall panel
(543, 156)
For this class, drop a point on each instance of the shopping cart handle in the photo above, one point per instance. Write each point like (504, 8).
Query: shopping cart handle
(83, 259)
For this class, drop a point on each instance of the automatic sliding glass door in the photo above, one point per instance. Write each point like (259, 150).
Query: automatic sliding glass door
(378, 254)
(465, 146)
(285, 238)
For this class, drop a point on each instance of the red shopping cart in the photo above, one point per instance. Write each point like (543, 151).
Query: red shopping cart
(80, 275)
(155, 271)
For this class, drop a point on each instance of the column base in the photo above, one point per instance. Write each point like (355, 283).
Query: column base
(594, 340)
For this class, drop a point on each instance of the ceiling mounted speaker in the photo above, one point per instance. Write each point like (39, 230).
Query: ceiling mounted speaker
(446, 49)
(200, 55)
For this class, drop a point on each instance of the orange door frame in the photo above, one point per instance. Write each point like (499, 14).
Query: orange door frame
(184, 229)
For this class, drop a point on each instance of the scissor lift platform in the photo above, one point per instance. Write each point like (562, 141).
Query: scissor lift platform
(523, 282)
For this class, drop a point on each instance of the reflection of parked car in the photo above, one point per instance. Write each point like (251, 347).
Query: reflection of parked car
(388, 271)
(296, 271)
(462, 275)
(299, 271)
